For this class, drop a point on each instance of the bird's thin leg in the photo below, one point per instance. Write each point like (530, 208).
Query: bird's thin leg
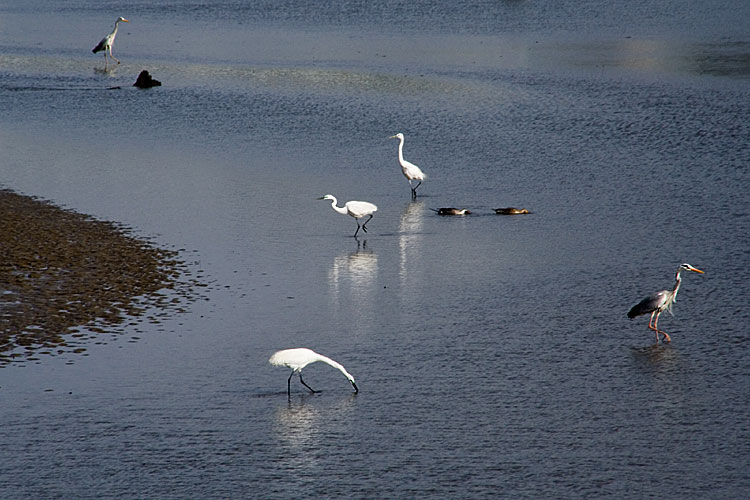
(113, 57)
(364, 226)
(303, 383)
(651, 327)
(656, 327)
(289, 384)
(355, 232)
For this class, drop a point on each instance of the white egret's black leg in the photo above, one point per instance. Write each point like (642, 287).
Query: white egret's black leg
(355, 232)
(289, 384)
(364, 226)
(303, 383)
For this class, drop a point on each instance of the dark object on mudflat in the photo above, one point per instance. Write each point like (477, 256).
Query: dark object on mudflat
(451, 211)
(511, 211)
(145, 81)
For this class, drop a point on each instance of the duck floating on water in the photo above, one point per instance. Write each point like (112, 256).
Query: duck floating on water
(511, 211)
(451, 211)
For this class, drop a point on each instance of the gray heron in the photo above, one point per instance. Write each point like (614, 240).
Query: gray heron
(657, 302)
(106, 43)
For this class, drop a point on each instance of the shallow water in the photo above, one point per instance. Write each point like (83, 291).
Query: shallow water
(492, 353)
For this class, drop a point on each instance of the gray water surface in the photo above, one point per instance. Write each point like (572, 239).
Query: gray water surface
(493, 354)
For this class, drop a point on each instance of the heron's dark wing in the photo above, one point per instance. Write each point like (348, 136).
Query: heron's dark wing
(101, 46)
(649, 304)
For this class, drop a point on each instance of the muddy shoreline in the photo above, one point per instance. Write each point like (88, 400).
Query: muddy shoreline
(66, 277)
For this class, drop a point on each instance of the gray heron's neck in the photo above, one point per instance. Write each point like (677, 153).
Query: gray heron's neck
(677, 281)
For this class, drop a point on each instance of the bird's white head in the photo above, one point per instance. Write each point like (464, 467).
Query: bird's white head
(688, 267)
(122, 20)
(397, 136)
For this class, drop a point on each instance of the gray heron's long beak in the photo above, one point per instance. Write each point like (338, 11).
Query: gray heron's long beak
(695, 269)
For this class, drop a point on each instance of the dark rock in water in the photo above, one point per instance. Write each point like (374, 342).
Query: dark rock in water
(145, 81)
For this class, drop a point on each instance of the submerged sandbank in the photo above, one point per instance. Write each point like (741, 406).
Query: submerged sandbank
(66, 277)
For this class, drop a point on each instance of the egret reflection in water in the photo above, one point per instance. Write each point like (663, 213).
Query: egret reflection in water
(356, 272)
(410, 238)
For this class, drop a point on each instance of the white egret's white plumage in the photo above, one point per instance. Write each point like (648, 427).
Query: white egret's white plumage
(106, 43)
(411, 171)
(356, 209)
(657, 302)
(300, 357)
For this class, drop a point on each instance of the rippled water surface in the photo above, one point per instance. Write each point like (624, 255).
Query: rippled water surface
(493, 354)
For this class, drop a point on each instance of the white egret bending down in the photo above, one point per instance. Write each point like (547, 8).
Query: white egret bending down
(107, 42)
(357, 209)
(657, 302)
(411, 171)
(300, 357)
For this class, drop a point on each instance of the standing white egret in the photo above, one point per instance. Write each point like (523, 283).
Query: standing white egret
(657, 302)
(357, 209)
(300, 357)
(411, 171)
(106, 43)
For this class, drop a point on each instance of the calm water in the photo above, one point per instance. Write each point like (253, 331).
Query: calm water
(493, 354)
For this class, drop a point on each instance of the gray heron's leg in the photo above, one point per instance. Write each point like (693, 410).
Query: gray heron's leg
(656, 327)
(113, 57)
(303, 383)
(652, 324)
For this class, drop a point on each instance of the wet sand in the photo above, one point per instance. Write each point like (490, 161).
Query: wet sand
(66, 277)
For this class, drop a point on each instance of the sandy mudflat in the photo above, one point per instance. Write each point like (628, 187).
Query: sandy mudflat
(62, 272)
